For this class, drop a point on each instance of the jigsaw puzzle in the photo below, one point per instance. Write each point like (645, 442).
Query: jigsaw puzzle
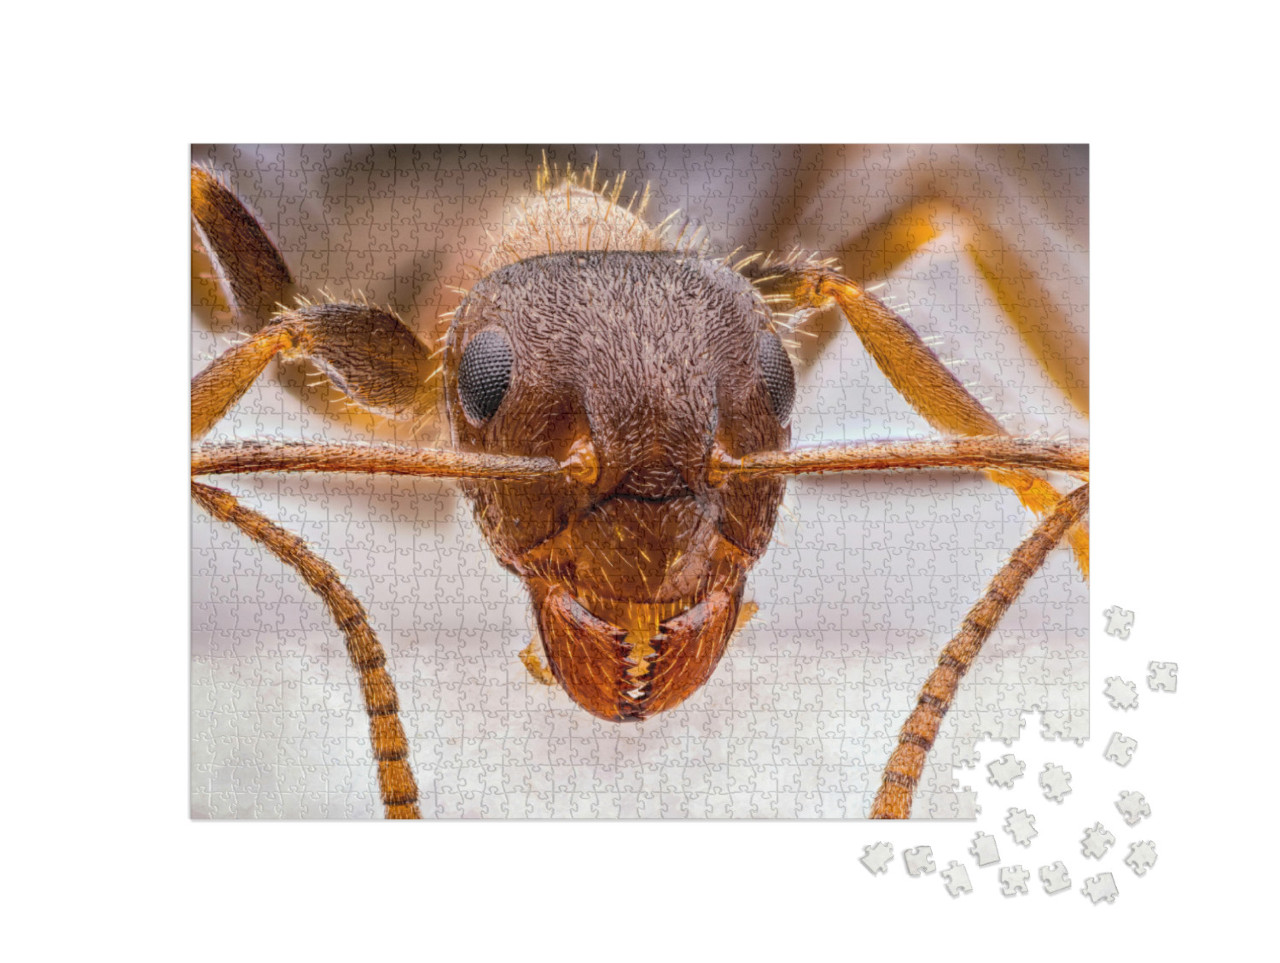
(1054, 878)
(1121, 694)
(876, 858)
(1013, 880)
(1100, 887)
(1055, 782)
(919, 860)
(1120, 749)
(1141, 857)
(867, 576)
(1097, 840)
(1163, 676)
(1133, 806)
(984, 849)
(957, 878)
(1119, 621)
(1005, 771)
(1021, 825)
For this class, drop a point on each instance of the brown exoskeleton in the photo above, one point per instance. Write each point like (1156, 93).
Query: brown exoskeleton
(639, 391)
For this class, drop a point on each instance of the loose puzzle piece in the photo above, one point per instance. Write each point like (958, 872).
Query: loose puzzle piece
(1120, 749)
(1142, 856)
(919, 860)
(876, 858)
(1055, 878)
(957, 879)
(1133, 806)
(1163, 676)
(1005, 770)
(984, 849)
(1021, 825)
(1100, 887)
(1122, 694)
(1097, 841)
(1119, 621)
(1013, 880)
(1055, 781)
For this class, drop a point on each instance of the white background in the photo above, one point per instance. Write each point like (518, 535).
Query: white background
(102, 852)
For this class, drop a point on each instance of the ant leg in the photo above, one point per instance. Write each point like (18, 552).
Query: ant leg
(367, 353)
(914, 371)
(390, 747)
(893, 801)
(1041, 321)
(252, 273)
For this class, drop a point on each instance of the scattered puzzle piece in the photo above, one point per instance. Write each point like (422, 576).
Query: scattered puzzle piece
(1097, 841)
(1133, 806)
(1055, 781)
(876, 858)
(1122, 694)
(1055, 878)
(1005, 770)
(957, 879)
(919, 860)
(1013, 879)
(1120, 749)
(984, 849)
(1163, 676)
(1100, 887)
(1119, 621)
(1142, 856)
(1021, 825)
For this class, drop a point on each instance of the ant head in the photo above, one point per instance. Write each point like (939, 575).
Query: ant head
(631, 367)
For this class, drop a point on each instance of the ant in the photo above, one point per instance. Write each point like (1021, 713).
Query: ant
(631, 487)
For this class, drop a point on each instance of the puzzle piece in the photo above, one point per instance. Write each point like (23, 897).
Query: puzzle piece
(1122, 694)
(1142, 856)
(1119, 621)
(919, 860)
(1097, 841)
(984, 849)
(1162, 676)
(876, 858)
(1100, 887)
(1133, 806)
(1120, 749)
(1055, 781)
(1005, 771)
(1013, 879)
(1054, 878)
(957, 879)
(1021, 825)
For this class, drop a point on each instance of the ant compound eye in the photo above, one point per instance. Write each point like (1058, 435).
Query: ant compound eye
(779, 378)
(484, 374)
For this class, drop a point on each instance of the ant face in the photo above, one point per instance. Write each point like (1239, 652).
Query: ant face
(642, 363)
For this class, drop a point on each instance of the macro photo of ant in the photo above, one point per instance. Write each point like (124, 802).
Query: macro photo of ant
(633, 481)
